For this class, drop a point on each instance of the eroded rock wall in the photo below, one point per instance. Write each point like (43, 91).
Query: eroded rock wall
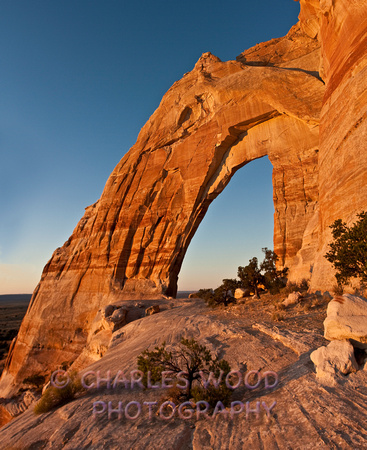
(343, 125)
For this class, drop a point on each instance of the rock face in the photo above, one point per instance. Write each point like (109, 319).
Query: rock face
(346, 327)
(343, 125)
(285, 99)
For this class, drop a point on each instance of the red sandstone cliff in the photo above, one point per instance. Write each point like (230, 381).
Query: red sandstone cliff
(300, 99)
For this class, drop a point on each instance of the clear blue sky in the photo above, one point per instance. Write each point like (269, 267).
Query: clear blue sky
(79, 78)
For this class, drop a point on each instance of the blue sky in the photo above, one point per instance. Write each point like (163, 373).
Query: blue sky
(78, 81)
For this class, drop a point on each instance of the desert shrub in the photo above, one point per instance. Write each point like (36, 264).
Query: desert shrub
(173, 394)
(54, 397)
(304, 285)
(212, 395)
(188, 356)
(338, 289)
(319, 301)
(65, 365)
(280, 307)
(277, 317)
(205, 294)
(291, 287)
(306, 307)
(222, 295)
(348, 250)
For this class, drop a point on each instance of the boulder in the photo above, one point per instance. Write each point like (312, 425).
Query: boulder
(347, 319)
(241, 293)
(108, 310)
(337, 357)
(152, 310)
(116, 320)
(292, 299)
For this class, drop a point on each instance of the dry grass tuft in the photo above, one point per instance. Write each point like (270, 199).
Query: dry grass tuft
(54, 397)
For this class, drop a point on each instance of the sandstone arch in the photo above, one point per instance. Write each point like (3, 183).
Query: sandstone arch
(207, 126)
(132, 242)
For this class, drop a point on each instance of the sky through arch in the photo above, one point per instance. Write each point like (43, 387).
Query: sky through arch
(238, 224)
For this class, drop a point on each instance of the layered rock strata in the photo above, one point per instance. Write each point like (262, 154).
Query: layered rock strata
(217, 118)
(343, 125)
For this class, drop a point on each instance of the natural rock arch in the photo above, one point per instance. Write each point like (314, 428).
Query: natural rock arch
(237, 225)
(217, 118)
(131, 243)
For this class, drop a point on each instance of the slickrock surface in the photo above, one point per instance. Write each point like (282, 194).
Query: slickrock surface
(306, 415)
(300, 99)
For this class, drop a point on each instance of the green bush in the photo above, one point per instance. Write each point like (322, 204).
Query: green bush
(291, 287)
(348, 251)
(304, 285)
(338, 289)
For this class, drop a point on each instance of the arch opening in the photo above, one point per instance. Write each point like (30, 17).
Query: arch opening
(238, 223)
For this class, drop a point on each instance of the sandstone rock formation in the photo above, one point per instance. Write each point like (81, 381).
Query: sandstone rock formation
(343, 126)
(346, 327)
(292, 299)
(241, 293)
(152, 310)
(306, 414)
(336, 358)
(300, 99)
(347, 319)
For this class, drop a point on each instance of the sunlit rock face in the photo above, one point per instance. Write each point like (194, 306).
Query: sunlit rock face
(343, 125)
(217, 118)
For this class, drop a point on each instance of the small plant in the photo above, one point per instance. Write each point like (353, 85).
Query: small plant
(304, 285)
(277, 317)
(54, 397)
(280, 307)
(291, 287)
(318, 302)
(306, 307)
(338, 289)
(174, 395)
(205, 294)
(222, 295)
(212, 394)
(188, 356)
